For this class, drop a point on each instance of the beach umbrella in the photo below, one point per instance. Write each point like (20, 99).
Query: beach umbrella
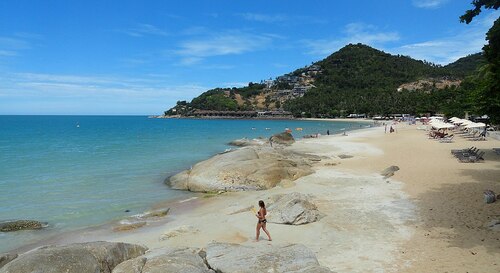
(465, 122)
(475, 125)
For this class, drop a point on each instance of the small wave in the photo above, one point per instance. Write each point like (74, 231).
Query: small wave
(189, 199)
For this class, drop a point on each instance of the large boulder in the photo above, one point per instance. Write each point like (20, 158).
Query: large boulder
(292, 209)
(16, 225)
(224, 257)
(186, 260)
(284, 138)
(99, 257)
(249, 168)
(6, 258)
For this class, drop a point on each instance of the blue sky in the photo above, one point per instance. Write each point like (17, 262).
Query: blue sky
(140, 57)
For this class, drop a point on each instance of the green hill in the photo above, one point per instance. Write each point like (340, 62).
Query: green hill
(355, 79)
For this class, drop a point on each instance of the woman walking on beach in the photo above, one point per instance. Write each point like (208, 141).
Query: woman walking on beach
(262, 221)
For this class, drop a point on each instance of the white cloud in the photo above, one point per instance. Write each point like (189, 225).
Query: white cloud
(265, 18)
(148, 94)
(11, 47)
(429, 4)
(353, 33)
(448, 49)
(232, 43)
(7, 53)
(141, 30)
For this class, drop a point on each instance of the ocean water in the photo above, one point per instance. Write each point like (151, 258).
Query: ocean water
(80, 171)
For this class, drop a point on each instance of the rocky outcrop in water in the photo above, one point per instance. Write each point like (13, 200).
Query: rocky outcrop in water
(16, 225)
(249, 168)
(185, 260)
(92, 257)
(292, 209)
(224, 257)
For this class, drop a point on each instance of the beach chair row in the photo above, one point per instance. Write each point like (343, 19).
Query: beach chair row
(473, 135)
(469, 155)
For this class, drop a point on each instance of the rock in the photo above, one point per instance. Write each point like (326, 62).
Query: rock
(129, 226)
(92, 257)
(389, 171)
(249, 168)
(178, 231)
(16, 225)
(494, 225)
(156, 213)
(344, 156)
(5, 258)
(284, 138)
(186, 260)
(244, 142)
(224, 257)
(292, 209)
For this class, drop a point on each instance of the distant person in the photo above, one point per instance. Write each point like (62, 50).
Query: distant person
(261, 215)
(385, 131)
(391, 130)
(327, 132)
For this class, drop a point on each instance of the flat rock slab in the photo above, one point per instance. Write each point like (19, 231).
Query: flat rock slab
(185, 260)
(292, 209)
(8, 226)
(92, 257)
(226, 258)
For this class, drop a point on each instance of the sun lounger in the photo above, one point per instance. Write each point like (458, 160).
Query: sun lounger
(448, 139)
(468, 150)
(479, 138)
(497, 150)
(470, 155)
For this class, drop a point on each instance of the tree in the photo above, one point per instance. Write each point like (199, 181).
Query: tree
(478, 5)
(488, 87)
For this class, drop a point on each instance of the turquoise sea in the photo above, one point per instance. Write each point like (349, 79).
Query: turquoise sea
(80, 171)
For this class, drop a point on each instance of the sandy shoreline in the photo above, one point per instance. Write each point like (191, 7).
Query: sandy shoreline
(429, 217)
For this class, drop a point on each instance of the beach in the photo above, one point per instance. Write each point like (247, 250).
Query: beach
(429, 216)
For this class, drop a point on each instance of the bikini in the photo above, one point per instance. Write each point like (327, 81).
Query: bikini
(262, 220)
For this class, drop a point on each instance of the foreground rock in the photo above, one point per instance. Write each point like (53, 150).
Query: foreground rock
(223, 257)
(389, 171)
(5, 258)
(250, 168)
(292, 209)
(166, 260)
(282, 138)
(92, 257)
(244, 142)
(20, 225)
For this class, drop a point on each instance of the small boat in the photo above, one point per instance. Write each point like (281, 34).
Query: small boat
(268, 128)
(298, 129)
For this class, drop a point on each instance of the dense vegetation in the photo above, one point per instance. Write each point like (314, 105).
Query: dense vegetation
(360, 79)
(484, 86)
